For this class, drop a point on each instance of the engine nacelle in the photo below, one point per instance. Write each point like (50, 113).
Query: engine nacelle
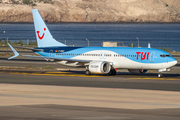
(100, 67)
(137, 71)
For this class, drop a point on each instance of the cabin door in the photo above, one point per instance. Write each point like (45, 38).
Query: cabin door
(152, 57)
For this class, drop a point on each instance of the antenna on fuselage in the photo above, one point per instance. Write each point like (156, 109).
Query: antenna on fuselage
(149, 45)
(138, 41)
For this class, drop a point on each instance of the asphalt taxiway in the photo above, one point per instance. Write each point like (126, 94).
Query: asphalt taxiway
(149, 81)
(69, 94)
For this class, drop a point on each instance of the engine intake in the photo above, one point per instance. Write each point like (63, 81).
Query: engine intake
(100, 67)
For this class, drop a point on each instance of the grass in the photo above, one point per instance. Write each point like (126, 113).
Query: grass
(17, 43)
(48, 67)
(165, 49)
(5, 54)
(29, 67)
(151, 71)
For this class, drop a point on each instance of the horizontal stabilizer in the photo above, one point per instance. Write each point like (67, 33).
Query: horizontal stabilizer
(14, 51)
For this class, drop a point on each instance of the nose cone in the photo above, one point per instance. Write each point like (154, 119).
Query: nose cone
(171, 62)
(174, 62)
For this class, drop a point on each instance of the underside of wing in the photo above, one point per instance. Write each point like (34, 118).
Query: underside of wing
(59, 59)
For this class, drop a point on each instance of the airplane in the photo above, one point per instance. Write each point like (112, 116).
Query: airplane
(97, 60)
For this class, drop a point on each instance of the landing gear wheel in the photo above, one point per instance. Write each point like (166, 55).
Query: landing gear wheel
(160, 75)
(88, 72)
(112, 72)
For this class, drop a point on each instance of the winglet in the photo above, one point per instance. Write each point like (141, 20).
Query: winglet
(14, 51)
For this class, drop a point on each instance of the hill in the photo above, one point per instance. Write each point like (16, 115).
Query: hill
(91, 10)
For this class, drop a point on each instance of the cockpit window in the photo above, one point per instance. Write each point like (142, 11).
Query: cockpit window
(165, 55)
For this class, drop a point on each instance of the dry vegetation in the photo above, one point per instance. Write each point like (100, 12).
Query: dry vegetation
(92, 10)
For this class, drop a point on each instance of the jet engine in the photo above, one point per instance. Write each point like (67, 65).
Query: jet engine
(137, 71)
(100, 67)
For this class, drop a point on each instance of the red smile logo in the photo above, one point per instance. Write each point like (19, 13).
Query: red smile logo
(41, 37)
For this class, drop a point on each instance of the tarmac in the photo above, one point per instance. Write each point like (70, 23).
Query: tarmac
(69, 94)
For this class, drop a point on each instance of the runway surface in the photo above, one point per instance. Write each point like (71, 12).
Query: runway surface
(68, 95)
(24, 102)
(50, 96)
(77, 78)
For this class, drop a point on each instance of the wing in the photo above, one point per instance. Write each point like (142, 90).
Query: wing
(29, 48)
(54, 58)
(59, 59)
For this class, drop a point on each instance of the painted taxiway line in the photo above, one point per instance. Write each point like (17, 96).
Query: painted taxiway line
(53, 74)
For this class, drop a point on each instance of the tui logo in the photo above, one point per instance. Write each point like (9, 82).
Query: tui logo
(142, 56)
(41, 37)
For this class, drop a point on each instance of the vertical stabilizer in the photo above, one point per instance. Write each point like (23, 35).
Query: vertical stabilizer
(43, 36)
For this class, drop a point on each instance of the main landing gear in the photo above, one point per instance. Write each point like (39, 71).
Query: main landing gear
(112, 72)
(88, 72)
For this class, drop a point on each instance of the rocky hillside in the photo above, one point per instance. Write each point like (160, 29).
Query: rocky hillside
(92, 10)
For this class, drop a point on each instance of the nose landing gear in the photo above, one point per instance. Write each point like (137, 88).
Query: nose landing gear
(162, 70)
(160, 75)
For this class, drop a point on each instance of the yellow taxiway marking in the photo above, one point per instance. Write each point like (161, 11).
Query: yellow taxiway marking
(53, 74)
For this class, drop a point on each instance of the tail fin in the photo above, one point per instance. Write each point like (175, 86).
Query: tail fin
(43, 36)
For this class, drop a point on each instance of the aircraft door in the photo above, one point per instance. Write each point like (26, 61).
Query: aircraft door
(152, 57)
(50, 53)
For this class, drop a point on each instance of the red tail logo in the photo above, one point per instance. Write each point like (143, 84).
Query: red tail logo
(143, 57)
(41, 37)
